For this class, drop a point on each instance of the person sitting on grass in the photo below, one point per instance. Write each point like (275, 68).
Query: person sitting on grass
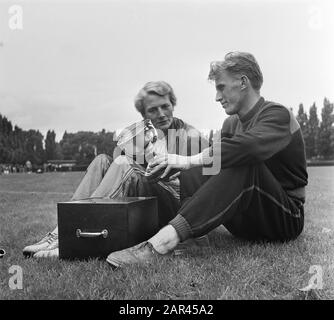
(125, 177)
(259, 189)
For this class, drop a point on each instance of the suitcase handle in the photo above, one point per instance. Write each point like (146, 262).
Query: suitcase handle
(80, 234)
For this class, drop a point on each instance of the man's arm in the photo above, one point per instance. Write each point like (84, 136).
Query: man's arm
(270, 135)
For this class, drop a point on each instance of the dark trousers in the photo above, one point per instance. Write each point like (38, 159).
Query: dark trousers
(248, 201)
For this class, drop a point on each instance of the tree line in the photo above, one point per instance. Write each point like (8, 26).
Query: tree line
(318, 134)
(18, 146)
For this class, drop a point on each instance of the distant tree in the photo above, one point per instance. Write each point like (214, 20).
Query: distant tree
(5, 126)
(34, 151)
(6, 140)
(18, 146)
(68, 148)
(59, 152)
(65, 135)
(80, 146)
(50, 145)
(332, 139)
(106, 142)
(311, 141)
(3, 150)
(83, 146)
(326, 129)
(302, 120)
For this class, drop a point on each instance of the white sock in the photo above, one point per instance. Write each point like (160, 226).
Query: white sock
(165, 240)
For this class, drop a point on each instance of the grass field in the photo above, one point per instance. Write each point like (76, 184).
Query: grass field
(230, 269)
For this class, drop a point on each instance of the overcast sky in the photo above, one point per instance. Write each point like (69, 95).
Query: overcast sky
(77, 65)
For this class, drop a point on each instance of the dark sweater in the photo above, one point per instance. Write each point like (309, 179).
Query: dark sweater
(268, 133)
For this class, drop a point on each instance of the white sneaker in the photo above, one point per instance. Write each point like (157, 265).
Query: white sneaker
(52, 251)
(49, 239)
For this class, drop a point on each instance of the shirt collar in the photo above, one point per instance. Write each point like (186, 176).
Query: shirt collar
(249, 115)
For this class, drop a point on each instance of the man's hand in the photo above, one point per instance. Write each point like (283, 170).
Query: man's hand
(169, 162)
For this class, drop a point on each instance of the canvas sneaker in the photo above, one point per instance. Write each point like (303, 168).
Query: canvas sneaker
(50, 252)
(50, 239)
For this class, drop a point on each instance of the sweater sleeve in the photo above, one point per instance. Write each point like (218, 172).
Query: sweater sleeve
(269, 135)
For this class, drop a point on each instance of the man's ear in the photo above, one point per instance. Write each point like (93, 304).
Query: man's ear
(244, 82)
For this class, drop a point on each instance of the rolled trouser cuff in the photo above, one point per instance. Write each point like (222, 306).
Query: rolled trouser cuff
(182, 227)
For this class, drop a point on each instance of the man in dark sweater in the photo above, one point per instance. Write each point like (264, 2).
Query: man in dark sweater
(258, 189)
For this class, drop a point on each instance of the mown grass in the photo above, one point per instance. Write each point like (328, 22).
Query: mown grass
(230, 269)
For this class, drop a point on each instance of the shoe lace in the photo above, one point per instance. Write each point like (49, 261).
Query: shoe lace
(150, 246)
(52, 237)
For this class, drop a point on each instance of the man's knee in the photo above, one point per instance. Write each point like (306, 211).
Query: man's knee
(191, 181)
(121, 160)
(101, 160)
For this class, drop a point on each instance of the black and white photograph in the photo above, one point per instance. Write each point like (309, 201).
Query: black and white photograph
(175, 153)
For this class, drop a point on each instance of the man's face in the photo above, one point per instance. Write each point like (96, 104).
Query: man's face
(159, 110)
(229, 92)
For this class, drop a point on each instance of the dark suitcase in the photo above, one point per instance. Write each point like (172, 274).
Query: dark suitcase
(94, 228)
